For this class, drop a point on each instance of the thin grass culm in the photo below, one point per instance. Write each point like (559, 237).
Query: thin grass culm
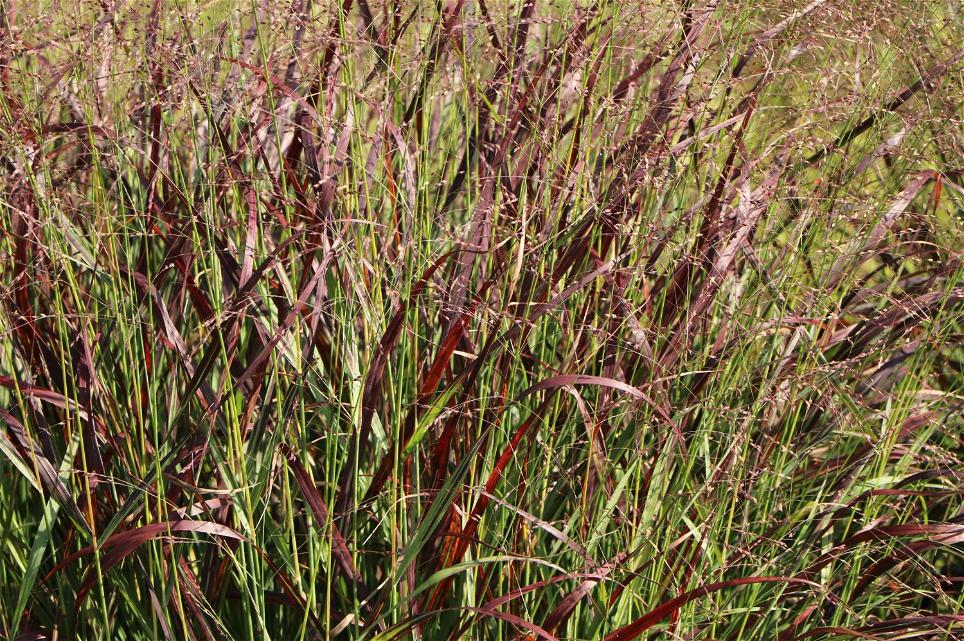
(447, 320)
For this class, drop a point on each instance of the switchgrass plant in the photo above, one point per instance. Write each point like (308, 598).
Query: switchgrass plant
(457, 320)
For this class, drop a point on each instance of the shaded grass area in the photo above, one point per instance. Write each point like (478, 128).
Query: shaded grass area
(481, 320)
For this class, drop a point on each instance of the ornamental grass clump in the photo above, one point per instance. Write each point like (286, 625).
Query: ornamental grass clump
(568, 320)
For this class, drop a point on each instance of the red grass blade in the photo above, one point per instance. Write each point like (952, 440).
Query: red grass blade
(640, 625)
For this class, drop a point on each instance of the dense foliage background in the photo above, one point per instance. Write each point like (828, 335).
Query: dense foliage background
(485, 319)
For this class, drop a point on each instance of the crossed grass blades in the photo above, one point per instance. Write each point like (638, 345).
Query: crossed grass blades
(481, 320)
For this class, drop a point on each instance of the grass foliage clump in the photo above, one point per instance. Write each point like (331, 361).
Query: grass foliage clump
(498, 319)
